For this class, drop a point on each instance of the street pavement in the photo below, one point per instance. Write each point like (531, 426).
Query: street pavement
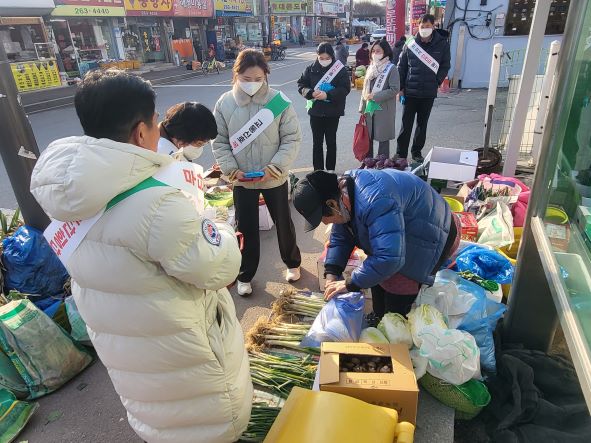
(88, 409)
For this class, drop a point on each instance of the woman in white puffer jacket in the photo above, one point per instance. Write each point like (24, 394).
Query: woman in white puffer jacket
(150, 276)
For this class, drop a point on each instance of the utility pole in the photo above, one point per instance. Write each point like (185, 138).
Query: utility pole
(351, 18)
(18, 147)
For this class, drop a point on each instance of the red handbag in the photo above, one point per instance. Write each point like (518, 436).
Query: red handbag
(361, 139)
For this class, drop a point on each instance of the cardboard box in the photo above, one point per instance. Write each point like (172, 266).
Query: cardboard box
(469, 226)
(397, 389)
(452, 164)
(355, 261)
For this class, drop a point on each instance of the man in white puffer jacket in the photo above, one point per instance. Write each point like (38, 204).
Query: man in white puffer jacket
(150, 276)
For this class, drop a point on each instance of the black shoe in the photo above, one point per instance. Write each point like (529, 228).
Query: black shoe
(418, 158)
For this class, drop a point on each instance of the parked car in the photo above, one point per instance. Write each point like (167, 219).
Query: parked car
(378, 34)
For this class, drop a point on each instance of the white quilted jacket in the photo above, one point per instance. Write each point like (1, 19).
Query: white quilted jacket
(151, 289)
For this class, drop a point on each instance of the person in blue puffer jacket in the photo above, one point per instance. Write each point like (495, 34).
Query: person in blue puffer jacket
(406, 229)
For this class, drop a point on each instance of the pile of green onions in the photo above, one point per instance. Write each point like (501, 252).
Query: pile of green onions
(297, 304)
(281, 373)
(262, 418)
(266, 334)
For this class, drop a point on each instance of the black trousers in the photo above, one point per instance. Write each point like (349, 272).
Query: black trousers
(324, 128)
(384, 301)
(247, 214)
(421, 108)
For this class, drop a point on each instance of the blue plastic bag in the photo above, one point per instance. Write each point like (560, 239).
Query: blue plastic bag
(32, 267)
(481, 321)
(485, 263)
(340, 319)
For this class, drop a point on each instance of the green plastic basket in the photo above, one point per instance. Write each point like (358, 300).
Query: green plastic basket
(467, 399)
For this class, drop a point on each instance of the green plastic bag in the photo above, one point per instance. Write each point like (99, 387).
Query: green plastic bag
(44, 354)
(10, 379)
(79, 332)
(14, 415)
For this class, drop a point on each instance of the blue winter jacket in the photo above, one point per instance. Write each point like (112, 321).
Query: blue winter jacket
(400, 222)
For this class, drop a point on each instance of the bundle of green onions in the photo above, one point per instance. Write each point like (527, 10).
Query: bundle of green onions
(266, 334)
(281, 373)
(262, 418)
(294, 303)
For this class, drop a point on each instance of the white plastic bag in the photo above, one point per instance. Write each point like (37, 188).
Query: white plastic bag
(452, 355)
(419, 363)
(341, 319)
(496, 228)
(421, 317)
(449, 295)
(372, 335)
(396, 329)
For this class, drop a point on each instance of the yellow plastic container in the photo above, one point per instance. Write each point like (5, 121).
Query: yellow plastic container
(454, 204)
(511, 251)
(326, 417)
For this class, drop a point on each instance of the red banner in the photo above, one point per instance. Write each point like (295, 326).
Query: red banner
(418, 8)
(394, 20)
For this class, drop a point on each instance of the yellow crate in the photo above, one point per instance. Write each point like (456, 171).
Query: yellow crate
(511, 251)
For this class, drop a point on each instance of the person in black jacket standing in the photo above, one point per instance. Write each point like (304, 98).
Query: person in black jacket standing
(420, 77)
(326, 103)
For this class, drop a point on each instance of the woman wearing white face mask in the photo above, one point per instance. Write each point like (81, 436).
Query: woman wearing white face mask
(255, 148)
(325, 84)
(378, 99)
(185, 130)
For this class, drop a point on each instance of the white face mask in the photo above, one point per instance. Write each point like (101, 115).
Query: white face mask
(425, 32)
(324, 63)
(192, 152)
(251, 88)
(377, 57)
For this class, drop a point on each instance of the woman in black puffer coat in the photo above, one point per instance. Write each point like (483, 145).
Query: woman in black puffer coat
(326, 107)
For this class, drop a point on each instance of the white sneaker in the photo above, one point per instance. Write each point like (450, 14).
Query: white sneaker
(244, 289)
(293, 275)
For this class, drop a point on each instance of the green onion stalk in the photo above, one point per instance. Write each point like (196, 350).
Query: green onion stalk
(265, 334)
(262, 418)
(297, 304)
(281, 373)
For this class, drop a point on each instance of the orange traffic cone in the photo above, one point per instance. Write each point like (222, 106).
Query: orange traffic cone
(444, 88)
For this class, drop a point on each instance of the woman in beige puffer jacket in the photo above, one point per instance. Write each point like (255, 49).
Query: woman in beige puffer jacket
(272, 152)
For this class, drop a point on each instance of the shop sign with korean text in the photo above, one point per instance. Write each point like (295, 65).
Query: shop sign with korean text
(144, 8)
(88, 8)
(193, 8)
(280, 7)
(239, 6)
(327, 9)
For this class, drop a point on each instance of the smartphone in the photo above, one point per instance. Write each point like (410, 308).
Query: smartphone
(256, 174)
